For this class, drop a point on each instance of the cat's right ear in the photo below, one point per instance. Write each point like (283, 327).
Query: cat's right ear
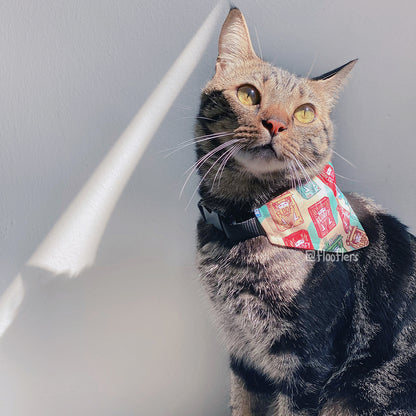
(234, 44)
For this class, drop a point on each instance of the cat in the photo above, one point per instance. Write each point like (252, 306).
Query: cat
(305, 337)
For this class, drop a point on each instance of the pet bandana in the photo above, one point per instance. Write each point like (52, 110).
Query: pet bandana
(314, 216)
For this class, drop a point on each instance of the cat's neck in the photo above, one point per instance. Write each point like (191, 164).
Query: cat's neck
(239, 201)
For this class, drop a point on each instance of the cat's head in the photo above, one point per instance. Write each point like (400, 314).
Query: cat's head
(269, 129)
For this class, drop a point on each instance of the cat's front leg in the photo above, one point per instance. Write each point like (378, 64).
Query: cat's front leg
(336, 408)
(240, 397)
(245, 402)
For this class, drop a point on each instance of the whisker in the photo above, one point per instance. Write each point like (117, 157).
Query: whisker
(310, 163)
(307, 178)
(226, 154)
(305, 173)
(346, 160)
(292, 174)
(203, 159)
(234, 151)
(185, 145)
(198, 117)
(210, 153)
(221, 105)
(193, 139)
(203, 178)
(347, 178)
(298, 179)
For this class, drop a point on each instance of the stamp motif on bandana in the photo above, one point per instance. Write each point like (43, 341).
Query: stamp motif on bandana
(299, 239)
(328, 177)
(344, 214)
(357, 238)
(334, 245)
(322, 217)
(285, 212)
(308, 190)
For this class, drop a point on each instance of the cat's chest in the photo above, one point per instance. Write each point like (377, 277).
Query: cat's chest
(254, 268)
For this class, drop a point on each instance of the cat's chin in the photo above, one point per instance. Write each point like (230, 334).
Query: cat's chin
(259, 165)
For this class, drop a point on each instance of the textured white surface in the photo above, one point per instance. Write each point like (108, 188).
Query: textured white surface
(130, 336)
(72, 243)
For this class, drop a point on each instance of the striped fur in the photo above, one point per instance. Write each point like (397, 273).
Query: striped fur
(304, 337)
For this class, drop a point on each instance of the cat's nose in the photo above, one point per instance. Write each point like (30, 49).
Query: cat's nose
(274, 126)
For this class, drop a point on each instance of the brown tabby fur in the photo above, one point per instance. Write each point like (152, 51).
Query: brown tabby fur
(306, 338)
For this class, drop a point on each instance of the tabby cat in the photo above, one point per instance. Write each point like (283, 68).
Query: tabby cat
(330, 338)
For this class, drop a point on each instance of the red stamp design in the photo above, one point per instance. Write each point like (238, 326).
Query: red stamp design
(328, 177)
(299, 239)
(357, 238)
(285, 212)
(344, 214)
(322, 217)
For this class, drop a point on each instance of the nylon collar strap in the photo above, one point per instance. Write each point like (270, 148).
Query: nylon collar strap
(314, 216)
(235, 231)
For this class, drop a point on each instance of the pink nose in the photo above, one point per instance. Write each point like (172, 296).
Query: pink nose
(274, 126)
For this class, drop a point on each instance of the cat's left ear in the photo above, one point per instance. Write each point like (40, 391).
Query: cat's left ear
(331, 83)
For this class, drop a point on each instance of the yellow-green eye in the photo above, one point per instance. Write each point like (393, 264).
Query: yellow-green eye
(248, 95)
(305, 114)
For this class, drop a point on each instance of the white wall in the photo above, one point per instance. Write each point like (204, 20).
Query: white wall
(132, 335)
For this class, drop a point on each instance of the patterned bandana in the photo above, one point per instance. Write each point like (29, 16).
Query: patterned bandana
(315, 216)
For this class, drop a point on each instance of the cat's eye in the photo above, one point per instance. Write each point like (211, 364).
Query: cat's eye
(305, 114)
(248, 95)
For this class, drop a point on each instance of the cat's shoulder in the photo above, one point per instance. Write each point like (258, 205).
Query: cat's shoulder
(383, 229)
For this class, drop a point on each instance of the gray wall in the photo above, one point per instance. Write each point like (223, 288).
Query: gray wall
(133, 334)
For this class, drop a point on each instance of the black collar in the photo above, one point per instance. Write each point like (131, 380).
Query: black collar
(234, 231)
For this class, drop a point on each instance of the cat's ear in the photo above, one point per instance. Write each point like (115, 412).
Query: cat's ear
(331, 83)
(234, 44)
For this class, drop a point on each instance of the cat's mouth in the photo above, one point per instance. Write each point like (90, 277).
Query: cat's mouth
(261, 159)
(267, 151)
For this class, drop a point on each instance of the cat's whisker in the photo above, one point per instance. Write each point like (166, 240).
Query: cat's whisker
(287, 171)
(343, 158)
(292, 173)
(223, 163)
(205, 175)
(305, 173)
(236, 149)
(210, 153)
(198, 117)
(185, 145)
(347, 178)
(203, 159)
(220, 105)
(295, 175)
(311, 164)
(194, 139)
(301, 170)
(229, 151)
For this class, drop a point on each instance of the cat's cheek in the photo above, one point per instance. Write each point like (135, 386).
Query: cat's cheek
(258, 166)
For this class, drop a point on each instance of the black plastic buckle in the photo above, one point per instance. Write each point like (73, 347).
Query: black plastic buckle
(211, 217)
